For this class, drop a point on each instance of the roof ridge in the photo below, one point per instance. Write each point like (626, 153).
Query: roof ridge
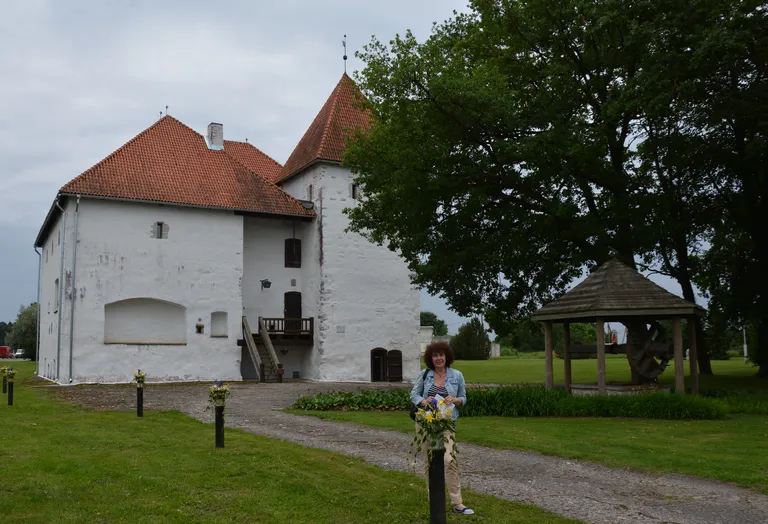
(331, 112)
(256, 148)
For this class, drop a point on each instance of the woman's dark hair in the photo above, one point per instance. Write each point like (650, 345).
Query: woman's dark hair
(438, 347)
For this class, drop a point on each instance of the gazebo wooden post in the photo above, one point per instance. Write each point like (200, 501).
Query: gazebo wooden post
(567, 356)
(693, 362)
(677, 333)
(550, 377)
(600, 326)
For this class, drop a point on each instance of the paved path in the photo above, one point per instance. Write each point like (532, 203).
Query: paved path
(576, 489)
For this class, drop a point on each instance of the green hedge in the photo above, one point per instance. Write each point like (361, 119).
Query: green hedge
(747, 402)
(534, 402)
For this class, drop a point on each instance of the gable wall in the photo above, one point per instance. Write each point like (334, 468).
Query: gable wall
(197, 267)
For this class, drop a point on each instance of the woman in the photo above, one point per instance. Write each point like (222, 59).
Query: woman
(440, 379)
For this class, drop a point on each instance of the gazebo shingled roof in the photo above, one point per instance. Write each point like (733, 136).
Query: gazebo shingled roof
(615, 290)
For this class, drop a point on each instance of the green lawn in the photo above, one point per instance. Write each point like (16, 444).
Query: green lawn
(734, 450)
(62, 464)
(510, 370)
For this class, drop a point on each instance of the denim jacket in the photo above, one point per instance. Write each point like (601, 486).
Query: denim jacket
(454, 383)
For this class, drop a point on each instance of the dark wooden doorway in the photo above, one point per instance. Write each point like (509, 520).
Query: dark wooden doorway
(292, 311)
(395, 365)
(379, 368)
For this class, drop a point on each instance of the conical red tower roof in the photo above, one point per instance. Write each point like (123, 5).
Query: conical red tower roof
(325, 140)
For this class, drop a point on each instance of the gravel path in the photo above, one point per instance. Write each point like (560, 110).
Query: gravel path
(575, 489)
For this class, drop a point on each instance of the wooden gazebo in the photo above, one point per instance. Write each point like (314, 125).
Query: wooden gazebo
(615, 292)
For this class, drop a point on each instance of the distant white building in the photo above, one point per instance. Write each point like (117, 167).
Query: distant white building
(183, 240)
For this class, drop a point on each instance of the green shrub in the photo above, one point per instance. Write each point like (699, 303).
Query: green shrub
(541, 402)
(388, 400)
(512, 402)
(508, 352)
(746, 402)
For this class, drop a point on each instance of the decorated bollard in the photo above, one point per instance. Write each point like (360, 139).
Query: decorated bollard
(435, 428)
(139, 377)
(9, 374)
(218, 398)
(3, 370)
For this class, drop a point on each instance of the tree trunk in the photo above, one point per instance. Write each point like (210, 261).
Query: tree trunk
(761, 351)
(705, 366)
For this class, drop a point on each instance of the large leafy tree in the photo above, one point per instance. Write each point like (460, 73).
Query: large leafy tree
(24, 332)
(503, 159)
(430, 319)
(472, 341)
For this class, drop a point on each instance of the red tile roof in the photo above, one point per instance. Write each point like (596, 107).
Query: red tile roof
(254, 159)
(170, 162)
(326, 137)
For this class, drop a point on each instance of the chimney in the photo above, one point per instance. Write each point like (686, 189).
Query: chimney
(215, 136)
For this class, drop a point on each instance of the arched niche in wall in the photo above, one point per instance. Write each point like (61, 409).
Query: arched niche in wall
(145, 321)
(219, 324)
(379, 367)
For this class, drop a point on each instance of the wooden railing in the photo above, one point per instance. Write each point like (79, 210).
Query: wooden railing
(270, 348)
(288, 326)
(251, 345)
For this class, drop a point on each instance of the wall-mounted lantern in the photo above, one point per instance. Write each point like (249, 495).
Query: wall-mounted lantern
(265, 284)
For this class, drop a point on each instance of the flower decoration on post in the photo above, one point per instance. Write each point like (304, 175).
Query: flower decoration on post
(436, 427)
(219, 393)
(140, 378)
(218, 397)
(10, 373)
(3, 373)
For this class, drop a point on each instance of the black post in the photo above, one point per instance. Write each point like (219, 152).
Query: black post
(10, 393)
(139, 402)
(219, 426)
(280, 372)
(262, 372)
(437, 487)
(5, 384)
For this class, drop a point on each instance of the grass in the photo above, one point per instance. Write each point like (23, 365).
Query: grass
(728, 374)
(734, 450)
(64, 464)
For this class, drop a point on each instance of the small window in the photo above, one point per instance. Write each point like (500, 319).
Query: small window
(46, 254)
(292, 252)
(159, 230)
(309, 192)
(59, 237)
(56, 296)
(354, 192)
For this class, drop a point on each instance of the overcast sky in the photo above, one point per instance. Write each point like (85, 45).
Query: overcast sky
(82, 77)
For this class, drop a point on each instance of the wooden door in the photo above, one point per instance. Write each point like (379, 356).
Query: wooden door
(292, 311)
(395, 366)
(379, 365)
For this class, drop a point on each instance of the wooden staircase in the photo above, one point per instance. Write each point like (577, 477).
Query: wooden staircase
(259, 360)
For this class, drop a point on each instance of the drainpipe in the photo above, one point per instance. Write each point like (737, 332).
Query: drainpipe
(61, 286)
(39, 277)
(74, 291)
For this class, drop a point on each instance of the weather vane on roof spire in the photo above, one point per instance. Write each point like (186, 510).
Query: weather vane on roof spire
(344, 43)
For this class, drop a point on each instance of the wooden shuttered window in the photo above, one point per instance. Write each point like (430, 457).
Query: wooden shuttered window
(292, 252)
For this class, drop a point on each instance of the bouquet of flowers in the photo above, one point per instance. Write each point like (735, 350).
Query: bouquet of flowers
(435, 422)
(8, 373)
(219, 393)
(139, 377)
